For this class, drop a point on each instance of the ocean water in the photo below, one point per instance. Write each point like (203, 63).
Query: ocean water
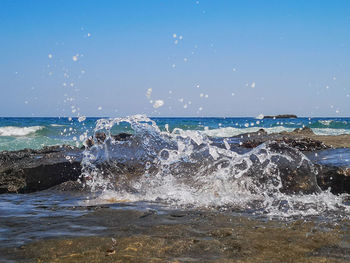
(181, 169)
(35, 133)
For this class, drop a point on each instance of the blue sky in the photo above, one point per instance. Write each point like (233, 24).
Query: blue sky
(229, 58)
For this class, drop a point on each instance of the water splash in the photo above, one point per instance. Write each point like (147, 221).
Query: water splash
(19, 131)
(185, 168)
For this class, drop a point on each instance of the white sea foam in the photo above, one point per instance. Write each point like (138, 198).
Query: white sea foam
(325, 122)
(19, 131)
(260, 117)
(57, 125)
(330, 131)
(232, 131)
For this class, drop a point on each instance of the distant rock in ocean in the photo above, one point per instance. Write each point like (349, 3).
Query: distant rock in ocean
(282, 116)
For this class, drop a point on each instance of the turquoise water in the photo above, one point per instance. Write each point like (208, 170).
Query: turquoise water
(35, 133)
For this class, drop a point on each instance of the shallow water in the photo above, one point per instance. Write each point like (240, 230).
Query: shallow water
(29, 217)
(51, 226)
(336, 157)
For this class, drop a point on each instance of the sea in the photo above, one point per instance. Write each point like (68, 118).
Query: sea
(183, 171)
(35, 133)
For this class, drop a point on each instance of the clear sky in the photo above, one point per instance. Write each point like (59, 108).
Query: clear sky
(201, 58)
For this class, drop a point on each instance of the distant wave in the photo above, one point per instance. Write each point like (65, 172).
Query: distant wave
(325, 122)
(19, 131)
(335, 124)
(232, 131)
(57, 125)
(330, 131)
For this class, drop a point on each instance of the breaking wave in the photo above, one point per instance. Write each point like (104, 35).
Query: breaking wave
(19, 131)
(330, 131)
(184, 168)
(232, 131)
(57, 125)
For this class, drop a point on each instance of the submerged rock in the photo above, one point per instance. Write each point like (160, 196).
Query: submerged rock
(188, 236)
(69, 186)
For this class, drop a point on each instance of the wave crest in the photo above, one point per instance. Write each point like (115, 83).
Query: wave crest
(19, 131)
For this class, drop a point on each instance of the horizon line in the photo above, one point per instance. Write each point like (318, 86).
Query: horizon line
(169, 117)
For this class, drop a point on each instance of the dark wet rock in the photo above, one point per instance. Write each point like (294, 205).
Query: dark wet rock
(89, 142)
(297, 173)
(282, 116)
(69, 186)
(100, 137)
(304, 131)
(260, 132)
(251, 144)
(30, 171)
(302, 144)
(305, 144)
(337, 179)
(121, 136)
(297, 139)
(35, 170)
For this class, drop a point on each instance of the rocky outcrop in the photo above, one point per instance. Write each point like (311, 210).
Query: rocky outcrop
(28, 170)
(304, 131)
(301, 143)
(337, 179)
(305, 144)
(304, 135)
(35, 170)
(297, 174)
(100, 138)
(282, 116)
(121, 136)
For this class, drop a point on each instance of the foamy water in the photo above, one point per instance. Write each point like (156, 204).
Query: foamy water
(19, 131)
(232, 131)
(330, 131)
(182, 168)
